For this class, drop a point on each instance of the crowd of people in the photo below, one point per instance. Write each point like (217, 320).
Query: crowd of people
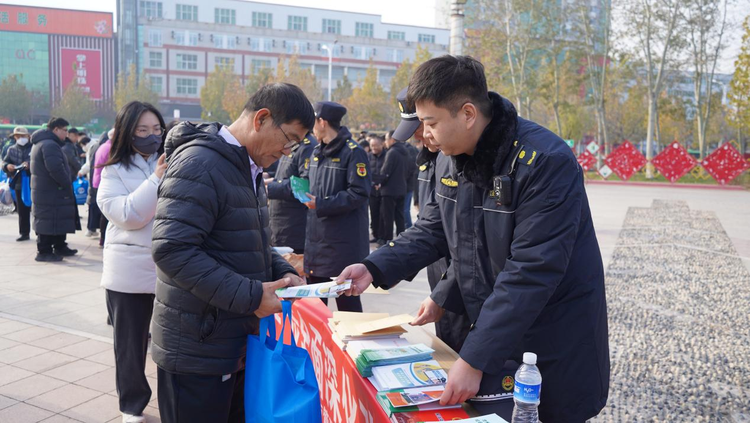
(189, 214)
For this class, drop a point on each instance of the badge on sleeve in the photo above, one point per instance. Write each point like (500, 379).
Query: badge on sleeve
(307, 163)
(361, 169)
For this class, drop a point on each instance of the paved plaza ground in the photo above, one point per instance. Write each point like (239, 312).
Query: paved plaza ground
(56, 359)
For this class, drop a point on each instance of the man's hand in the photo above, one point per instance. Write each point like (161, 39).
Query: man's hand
(360, 276)
(295, 280)
(270, 304)
(429, 312)
(310, 204)
(25, 164)
(11, 167)
(463, 383)
(267, 181)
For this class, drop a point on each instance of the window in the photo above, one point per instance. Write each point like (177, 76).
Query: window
(151, 9)
(154, 38)
(154, 59)
(187, 61)
(297, 23)
(186, 12)
(157, 82)
(192, 38)
(225, 41)
(257, 64)
(363, 53)
(224, 62)
(396, 35)
(331, 26)
(261, 44)
(299, 47)
(364, 30)
(262, 19)
(426, 38)
(186, 38)
(225, 16)
(188, 86)
(396, 55)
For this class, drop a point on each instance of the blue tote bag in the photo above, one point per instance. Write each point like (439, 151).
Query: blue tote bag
(81, 190)
(26, 189)
(280, 383)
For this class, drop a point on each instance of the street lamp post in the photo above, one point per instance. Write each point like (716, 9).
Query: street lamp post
(330, 65)
(457, 27)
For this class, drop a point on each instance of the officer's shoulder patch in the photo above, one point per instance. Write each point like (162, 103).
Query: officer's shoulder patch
(306, 141)
(423, 167)
(336, 159)
(315, 159)
(449, 182)
(361, 169)
(527, 156)
(353, 144)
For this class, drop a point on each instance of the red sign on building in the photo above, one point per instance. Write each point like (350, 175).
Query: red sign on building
(85, 68)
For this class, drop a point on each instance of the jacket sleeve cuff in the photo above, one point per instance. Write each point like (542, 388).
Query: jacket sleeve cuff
(257, 294)
(378, 279)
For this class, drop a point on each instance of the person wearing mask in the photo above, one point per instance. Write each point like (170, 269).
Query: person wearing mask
(102, 156)
(216, 270)
(393, 188)
(289, 216)
(127, 196)
(340, 183)
(15, 162)
(54, 212)
(87, 170)
(376, 157)
(71, 153)
(512, 211)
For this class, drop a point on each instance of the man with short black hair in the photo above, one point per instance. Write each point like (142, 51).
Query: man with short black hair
(512, 212)
(393, 188)
(216, 270)
(340, 182)
(70, 149)
(54, 210)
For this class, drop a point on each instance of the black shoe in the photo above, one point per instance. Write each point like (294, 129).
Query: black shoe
(65, 251)
(373, 240)
(23, 238)
(109, 321)
(48, 257)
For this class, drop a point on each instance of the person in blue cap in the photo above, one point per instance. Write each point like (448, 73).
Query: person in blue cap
(340, 183)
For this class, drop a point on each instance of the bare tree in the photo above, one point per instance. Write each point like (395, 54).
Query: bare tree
(706, 25)
(656, 25)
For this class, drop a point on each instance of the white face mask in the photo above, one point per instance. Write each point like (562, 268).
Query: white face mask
(22, 141)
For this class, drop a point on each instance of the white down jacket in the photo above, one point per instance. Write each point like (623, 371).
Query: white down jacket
(127, 197)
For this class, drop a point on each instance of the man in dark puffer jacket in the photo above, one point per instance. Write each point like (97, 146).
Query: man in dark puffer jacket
(211, 245)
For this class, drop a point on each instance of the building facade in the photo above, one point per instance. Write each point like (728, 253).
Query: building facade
(177, 43)
(48, 49)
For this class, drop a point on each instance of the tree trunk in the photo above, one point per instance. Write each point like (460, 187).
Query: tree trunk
(650, 134)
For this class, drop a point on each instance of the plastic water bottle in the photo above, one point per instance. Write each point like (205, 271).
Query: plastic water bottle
(526, 391)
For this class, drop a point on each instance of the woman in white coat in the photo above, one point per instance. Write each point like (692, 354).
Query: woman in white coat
(127, 197)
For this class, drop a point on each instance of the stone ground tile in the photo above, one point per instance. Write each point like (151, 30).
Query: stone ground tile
(23, 413)
(12, 326)
(94, 297)
(25, 336)
(150, 366)
(10, 374)
(30, 387)
(6, 402)
(100, 409)
(7, 343)
(59, 418)
(57, 341)
(17, 299)
(104, 357)
(44, 362)
(64, 398)
(87, 348)
(44, 309)
(19, 352)
(152, 382)
(61, 290)
(76, 370)
(83, 319)
(152, 414)
(103, 381)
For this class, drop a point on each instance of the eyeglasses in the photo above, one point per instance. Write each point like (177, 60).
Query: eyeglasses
(290, 142)
(145, 131)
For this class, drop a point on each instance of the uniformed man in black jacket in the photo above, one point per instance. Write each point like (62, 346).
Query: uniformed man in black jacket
(340, 184)
(376, 157)
(512, 211)
(289, 216)
(393, 188)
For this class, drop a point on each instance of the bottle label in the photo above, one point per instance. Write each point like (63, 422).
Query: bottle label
(526, 393)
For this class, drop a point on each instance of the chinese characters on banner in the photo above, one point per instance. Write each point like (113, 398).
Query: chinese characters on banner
(83, 67)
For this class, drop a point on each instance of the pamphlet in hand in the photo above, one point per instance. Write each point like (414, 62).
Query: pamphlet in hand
(320, 290)
(300, 188)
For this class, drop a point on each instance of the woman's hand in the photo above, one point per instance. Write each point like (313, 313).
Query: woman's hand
(161, 166)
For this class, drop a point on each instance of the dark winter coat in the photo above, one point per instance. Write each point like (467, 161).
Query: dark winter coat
(412, 171)
(16, 155)
(54, 209)
(337, 229)
(71, 153)
(211, 246)
(528, 273)
(376, 163)
(288, 214)
(395, 171)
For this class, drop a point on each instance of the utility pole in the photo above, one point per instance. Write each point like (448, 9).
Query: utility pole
(457, 27)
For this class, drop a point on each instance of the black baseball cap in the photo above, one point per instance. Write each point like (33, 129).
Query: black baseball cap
(409, 120)
(329, 111)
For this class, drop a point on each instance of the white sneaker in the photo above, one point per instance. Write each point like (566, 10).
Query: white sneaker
(129, 418)
(91, 234)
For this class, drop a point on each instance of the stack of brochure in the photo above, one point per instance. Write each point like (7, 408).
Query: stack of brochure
(408, 375)
(369, 358)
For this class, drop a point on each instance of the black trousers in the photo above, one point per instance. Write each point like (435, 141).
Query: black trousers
(375, 215)
(131, 315)
(46, 243)
(103, 227)
(24, 215)
(391, 211)
(343, 303)
(95, 215)
(199, 398)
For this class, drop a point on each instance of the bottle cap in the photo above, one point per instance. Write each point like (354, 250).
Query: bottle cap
(529, 358)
